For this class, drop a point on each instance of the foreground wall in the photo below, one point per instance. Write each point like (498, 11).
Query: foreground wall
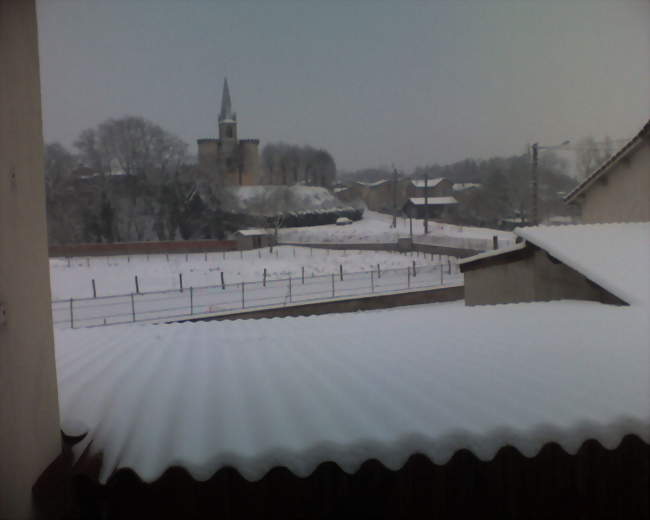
(526, 276)
(29, 420)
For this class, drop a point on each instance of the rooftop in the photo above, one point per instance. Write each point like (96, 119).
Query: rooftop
(383, 385)
(615, 256)
(432, 201)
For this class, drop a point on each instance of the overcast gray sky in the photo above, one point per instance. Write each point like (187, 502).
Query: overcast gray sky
(374, 82)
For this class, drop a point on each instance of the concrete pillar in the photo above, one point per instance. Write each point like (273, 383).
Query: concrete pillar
(29, 415)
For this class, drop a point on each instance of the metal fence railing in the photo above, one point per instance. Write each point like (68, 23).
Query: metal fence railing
(193, 301)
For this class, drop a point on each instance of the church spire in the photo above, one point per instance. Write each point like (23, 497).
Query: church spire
(226, 113)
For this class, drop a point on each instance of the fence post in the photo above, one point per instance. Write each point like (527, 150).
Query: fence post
(408, 278)
(303, 274)
(372, 281)
(332, 285)
(180, 280)
(191, 300)
(441, 274)
(289, 289)
(94, 289)
(223, 285)
(132, 307)
(449, 262)
(414, 271)
(243, 301)
(378, 272)
(137, 285)
(264, 278)
(341, 271)
(71, 315)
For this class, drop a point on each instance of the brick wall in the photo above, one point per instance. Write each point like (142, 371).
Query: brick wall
(143, 248)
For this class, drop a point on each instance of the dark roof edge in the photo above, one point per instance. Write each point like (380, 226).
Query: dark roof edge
(627, 148)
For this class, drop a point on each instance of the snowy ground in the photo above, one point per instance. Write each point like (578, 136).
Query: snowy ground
(294, 275)
(115, 274)
(376, 227)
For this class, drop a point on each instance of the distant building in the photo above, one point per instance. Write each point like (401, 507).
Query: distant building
(235, 162)
(619, 190)
(430, 207)
(438, 187)
(253, 238)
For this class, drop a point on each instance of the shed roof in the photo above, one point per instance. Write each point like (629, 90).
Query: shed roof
(296, 392)
(615, 256)
(432, 201)
(251, 232)
(431, 183)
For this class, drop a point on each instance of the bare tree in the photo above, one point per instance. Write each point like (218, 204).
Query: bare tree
(137, 145)
(590, 154)
(289, 164)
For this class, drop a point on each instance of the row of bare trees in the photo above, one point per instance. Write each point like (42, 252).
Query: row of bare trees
(129, 180)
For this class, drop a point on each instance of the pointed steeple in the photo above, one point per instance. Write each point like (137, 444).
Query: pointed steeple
(226, 113)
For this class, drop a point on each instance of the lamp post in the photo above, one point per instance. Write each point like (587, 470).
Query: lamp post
(534, 184)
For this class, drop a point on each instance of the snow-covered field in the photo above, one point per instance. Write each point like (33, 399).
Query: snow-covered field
(294, 275)
(376, 227)
(116, 274)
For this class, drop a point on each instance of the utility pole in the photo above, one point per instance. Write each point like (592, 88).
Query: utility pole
(394, 197)
(534, 216)
(426, 204)
(534, 181)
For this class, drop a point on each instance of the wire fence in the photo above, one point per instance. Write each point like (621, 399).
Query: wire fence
(224, 298)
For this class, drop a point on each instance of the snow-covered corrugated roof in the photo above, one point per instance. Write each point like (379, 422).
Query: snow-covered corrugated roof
(432, 201)
(431, 183)
(383, 385)
(615, 256)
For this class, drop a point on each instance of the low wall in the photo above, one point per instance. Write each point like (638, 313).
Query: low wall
(444, 250)
(390, 246)
(364, 246)
(143, 248)
(382, 301)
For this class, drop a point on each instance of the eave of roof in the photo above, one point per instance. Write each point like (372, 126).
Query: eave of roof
(491, 254)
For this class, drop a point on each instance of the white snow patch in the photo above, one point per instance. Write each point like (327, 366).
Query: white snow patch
(376, 228)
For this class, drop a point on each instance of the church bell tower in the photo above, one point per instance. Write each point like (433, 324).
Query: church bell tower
(227, 118)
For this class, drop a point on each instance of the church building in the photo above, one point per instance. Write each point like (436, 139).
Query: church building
(235, 162)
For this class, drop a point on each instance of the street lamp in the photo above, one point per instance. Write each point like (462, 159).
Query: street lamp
(534, 217)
